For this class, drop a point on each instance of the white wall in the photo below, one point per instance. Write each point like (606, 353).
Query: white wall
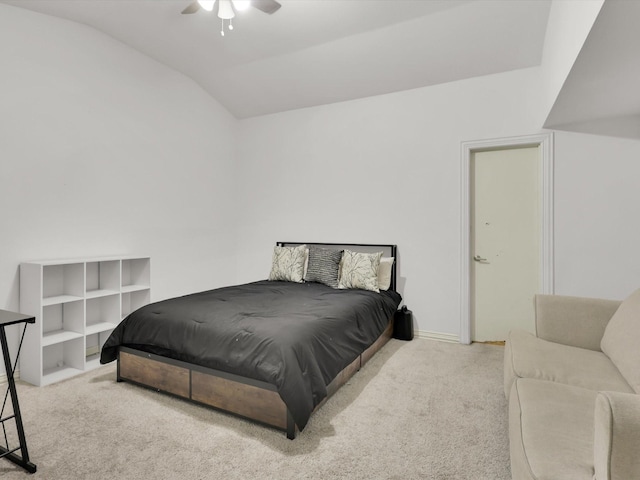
(597, 201)
(384, 169)
(597, 215)
(387, 169)
(105, 151)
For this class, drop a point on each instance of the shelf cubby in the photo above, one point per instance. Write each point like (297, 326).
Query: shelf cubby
(77, 304)
(103, 313)
(102, 278)
(93, 347)
(135, 273)
(62, 283)
(62, 360)
(132, 300)
(62, 321)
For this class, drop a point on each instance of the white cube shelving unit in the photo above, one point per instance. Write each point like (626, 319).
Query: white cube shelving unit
(77, 304)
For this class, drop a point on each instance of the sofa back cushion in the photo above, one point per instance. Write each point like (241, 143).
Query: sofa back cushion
(621, 340)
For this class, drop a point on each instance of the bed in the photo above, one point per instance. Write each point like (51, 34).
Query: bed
(272, 351)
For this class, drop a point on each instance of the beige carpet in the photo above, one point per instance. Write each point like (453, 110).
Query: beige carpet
(417, 410)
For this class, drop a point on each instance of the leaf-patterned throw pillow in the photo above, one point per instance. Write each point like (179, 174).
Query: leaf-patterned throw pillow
(360, 270)
(288, 263)
(323, 266)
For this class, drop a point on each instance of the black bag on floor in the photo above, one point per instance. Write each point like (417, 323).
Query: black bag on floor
(403, 324)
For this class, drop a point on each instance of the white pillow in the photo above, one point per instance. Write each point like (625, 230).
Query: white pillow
(287, 263)
(306, 262)
(360, 270)
(384, 273)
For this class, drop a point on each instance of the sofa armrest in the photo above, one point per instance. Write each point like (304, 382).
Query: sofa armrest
(574, 321)
(616, 436)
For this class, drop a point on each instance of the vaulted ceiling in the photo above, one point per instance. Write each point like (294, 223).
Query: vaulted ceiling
(601, 93)
(313, 52)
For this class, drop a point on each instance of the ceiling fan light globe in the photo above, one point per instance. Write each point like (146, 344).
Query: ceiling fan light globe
(241, 5)
(225, 9)
(207, 4)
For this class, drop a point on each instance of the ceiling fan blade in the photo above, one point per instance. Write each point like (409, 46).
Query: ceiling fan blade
(192, 8)
(266, 6)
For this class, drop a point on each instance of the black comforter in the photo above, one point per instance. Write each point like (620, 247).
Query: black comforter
(296, 336)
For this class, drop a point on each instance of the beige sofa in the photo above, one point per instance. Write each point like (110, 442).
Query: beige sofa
(573, 390)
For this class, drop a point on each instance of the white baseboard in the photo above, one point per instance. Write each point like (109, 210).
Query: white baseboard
(441, 337)
(3, 376)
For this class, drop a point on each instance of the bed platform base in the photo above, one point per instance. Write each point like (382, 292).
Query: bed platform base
(253, 399)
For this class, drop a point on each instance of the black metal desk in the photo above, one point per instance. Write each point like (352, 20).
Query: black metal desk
(12, 318)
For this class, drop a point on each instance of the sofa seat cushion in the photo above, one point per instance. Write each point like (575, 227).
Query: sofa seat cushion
(551, 431)
(620, 339)
(527, 356)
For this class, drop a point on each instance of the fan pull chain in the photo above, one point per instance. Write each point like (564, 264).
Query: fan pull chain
(222, 27)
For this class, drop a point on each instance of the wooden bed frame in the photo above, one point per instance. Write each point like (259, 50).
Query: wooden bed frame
(242, 396)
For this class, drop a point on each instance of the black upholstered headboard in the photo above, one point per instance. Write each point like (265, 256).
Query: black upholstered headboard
(387, 251)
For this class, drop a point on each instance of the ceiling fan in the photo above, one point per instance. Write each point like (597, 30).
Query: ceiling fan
(227, 8)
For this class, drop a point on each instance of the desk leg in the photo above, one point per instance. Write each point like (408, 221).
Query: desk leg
(9, 455)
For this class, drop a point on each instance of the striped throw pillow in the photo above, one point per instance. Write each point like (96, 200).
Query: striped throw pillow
(323, 266)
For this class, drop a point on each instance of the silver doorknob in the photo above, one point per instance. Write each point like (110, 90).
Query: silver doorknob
(478, 258)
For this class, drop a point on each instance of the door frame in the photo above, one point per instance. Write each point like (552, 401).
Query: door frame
(545, 143)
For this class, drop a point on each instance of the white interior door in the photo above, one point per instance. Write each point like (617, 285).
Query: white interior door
(505, 241)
